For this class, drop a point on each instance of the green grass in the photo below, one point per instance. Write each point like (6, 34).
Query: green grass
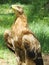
(6, 19)
(41, 30)
(40, 26)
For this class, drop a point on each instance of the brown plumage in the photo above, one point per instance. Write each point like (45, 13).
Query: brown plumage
(20, 39)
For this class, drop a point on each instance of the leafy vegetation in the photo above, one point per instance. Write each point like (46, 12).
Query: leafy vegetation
(38, 20)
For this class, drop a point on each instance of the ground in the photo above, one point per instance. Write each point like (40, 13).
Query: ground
(46, 59)
(8, 58)
(9, 61)
(39, 26)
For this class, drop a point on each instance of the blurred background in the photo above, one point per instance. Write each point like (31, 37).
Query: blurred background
(37, 12)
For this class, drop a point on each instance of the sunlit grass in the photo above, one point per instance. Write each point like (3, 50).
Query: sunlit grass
(39, 26)
(6, 20)
(41, 30)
